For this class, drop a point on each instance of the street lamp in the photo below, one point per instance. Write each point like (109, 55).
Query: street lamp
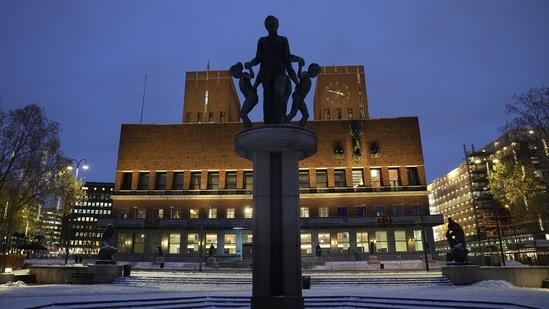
(70, 168)
(77, 163)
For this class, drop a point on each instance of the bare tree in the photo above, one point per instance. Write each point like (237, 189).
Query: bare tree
(32, 166)
(521, 180)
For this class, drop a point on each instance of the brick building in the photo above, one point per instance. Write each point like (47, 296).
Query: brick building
(181, 187)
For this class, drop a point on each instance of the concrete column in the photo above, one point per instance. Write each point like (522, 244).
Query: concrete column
(275, 151)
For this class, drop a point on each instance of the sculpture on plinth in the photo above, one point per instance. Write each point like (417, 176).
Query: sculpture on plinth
(275, 75)
(456, 240)
(106, 251)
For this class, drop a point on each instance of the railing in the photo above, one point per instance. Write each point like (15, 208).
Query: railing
(249, 192)
(367, 221)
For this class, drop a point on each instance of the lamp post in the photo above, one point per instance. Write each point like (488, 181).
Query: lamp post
(495, 211)
(71, 215)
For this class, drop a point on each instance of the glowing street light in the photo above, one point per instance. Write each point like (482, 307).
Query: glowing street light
(77, 163)
(70, 168)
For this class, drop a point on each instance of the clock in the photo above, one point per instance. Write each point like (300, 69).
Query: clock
(337, 93)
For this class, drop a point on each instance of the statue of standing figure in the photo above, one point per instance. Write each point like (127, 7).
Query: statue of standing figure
(275, 75)
(456, 240)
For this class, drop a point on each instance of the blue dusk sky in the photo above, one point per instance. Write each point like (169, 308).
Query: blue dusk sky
(454, 64)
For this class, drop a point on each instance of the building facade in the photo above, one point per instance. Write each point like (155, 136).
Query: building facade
(183, 189)
(83, 235)
(464, 194)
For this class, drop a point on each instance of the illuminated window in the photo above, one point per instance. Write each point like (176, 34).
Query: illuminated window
(230, 213)
(323, 212)
(248, 212)
(230, 244)
(418, 240)
(400, 241)
(140, 213)
(194, 213)
(175, 213)
(393, 177)
(174, 243)
(375, 175)
(381, 241)
(343, 242)
(306, 245)
(158, 213)
(362, 242)
(324, 240)
(212, 213)
(193, 243)
(358, 180)
(304, 212)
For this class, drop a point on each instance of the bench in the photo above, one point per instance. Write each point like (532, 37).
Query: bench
(81, 278)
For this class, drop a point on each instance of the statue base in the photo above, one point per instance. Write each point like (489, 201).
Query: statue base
(105, 262)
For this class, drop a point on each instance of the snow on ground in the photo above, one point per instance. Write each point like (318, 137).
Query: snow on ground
(19, 295)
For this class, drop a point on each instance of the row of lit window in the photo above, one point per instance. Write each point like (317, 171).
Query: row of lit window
(212, 213)
(92, 211)
(402, 241)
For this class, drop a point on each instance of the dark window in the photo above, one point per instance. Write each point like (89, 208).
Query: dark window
(398, 210)
(361, 211)
(321, 179)
(379, 210)
(413, 179)
(416, 210)
(143, 181)
(126, 181)
(230, 180)
(304, 179)
(160, 183)
(342, 211)
(213, 180)
(339, 178)
(177, 181)
(248, 180)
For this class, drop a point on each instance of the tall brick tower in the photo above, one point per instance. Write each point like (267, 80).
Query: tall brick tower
(340, 93)
(210, 97)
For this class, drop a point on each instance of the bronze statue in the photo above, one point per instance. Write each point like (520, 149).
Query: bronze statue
(273, 55)
(456, 240)
(106, 251)
(249, 92)
(301, 90)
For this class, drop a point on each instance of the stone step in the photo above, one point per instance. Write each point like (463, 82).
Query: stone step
(152, 280)
(320, 302)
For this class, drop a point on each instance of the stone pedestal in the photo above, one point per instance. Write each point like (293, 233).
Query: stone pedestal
(275, 151)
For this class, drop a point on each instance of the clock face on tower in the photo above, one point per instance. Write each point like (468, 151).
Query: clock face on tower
(337, 93)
